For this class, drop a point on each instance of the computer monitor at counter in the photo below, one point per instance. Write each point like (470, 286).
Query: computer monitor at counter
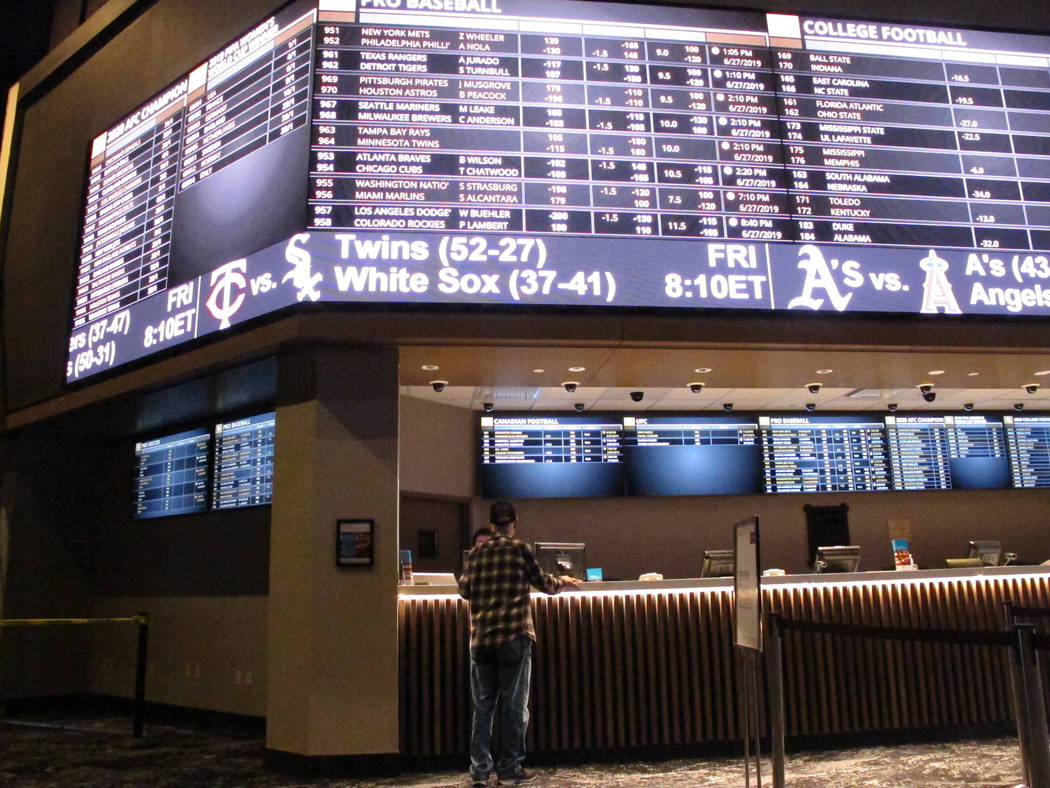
(718, 563)
(837, 558)
(562, 558)
(988, 551)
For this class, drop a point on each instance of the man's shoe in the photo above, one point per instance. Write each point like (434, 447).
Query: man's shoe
(523, 777)
(479, 783)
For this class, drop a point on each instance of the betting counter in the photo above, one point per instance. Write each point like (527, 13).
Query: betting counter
(650, 664)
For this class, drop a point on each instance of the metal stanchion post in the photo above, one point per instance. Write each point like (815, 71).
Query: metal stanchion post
(1034, 716)
(1017, 689)
(746, 687)
(775, 678)
(142, 620)
(754, 665)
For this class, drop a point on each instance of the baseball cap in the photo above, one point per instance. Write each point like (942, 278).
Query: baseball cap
(501, 513)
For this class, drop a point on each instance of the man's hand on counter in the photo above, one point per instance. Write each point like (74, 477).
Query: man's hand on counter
(567, 580)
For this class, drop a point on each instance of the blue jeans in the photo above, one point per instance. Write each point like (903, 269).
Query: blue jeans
(503, 673)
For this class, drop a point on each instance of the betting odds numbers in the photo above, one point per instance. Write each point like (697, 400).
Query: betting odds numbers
(569, 153)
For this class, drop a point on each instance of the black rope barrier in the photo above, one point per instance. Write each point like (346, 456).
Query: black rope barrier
(140, 620)
(962, 637)
(1031, 612)
(44, 622)
(1026, 685)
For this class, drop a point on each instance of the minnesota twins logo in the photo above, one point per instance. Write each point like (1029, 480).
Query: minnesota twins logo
(301, 275)
(937, 290)
(227, 291)
(819, 277)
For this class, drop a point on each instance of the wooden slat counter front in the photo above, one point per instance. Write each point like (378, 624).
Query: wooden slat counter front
(649, 664)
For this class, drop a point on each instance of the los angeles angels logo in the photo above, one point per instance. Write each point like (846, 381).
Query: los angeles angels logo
(937, 291)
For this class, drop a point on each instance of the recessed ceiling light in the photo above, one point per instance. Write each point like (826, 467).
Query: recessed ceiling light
(702, 370)
(1041, 374)
(825, 371)
(577, 369)
(935, 372)
(537, 371)
(430, 367)
(975, 374)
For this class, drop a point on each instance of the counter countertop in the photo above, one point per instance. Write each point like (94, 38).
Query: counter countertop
(724, 583)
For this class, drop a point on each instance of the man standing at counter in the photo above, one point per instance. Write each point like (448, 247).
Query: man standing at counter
(496, 583)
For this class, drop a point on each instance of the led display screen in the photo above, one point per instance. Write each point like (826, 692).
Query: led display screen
(691, 455)
(840, 453)
(244, 455)
(559, 152)
(529, 455)
(171, 474)
(945, 452)
(550, 456)
(1028, 441)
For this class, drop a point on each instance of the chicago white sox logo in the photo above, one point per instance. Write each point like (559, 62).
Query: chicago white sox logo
(301, 276)
(227, 294)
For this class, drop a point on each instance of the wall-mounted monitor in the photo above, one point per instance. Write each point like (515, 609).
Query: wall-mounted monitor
(244, 452)
(824, 453)
(941, 452)
(171, 474)
(179, 191)
(837, 558)
(562, 558)
(555, 455)
(691, 454)
(1028, 443)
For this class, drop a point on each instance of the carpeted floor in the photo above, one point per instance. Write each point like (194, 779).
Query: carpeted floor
(98, 750)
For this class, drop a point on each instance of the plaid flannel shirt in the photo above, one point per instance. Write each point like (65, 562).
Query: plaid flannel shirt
(496, 582)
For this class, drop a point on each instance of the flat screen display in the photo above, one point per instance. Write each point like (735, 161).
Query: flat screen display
(171, 474)
(560, 152)
(947, 452)
(840, 453)
(207, 171)
(692, 455)
(550, 456)
(1028, 442)
(244, 454)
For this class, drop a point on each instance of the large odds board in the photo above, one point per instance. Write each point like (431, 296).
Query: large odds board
(567, 152)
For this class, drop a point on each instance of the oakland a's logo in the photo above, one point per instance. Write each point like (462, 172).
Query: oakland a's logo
(818, 278)
(227, 291)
